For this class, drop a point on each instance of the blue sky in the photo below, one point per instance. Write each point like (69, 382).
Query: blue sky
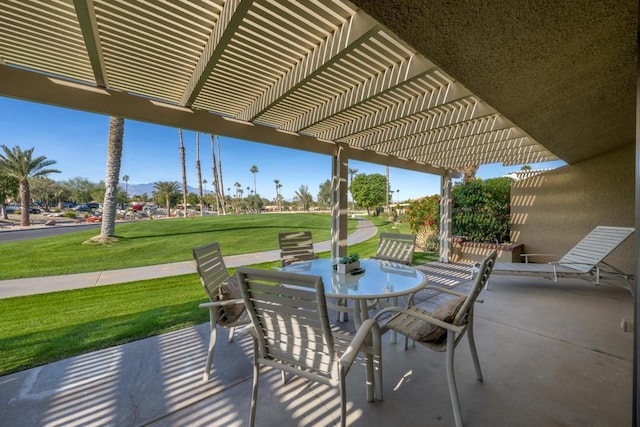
(77, 141)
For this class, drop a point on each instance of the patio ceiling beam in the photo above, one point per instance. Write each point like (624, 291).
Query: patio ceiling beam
(452, 95)
(424, 145)
(396, 77)
(389, 138)
(36, 87)
(516, 156)
(231, 17)
(344, 40)
(89, 26)
(485, 143)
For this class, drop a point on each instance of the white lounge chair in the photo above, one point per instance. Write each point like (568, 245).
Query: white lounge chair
(584, 261)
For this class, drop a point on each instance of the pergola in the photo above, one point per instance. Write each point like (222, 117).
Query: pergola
(420, 85)
(321, 76)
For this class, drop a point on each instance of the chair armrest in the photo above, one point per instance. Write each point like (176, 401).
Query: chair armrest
(449, 291)
(421, 316)
(221, 303)
(369, 326)
(248, 330)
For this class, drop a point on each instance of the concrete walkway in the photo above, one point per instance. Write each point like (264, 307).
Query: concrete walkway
(38, 285)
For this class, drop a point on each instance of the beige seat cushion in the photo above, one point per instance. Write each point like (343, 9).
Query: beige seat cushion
(428, 332)
(230, 290)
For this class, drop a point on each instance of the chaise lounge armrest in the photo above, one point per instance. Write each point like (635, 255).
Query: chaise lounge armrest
(526, 256)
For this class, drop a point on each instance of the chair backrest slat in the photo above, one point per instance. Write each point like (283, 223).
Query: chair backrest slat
(211, 268)
(484, 271)
(295, 246)
(396, 247)
(595, 247)
(289, 312)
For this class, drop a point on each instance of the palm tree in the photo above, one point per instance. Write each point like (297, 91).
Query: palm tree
(351, 173)
(277, 182)
(21, 165)
(238, 189)
(278, 187)
(125, 178)
(199, 172)
(114, 158)
(184, 174)
(304, 198)
(254, 171)
(167, 189)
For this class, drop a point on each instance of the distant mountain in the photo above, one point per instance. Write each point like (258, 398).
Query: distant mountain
(140, 189)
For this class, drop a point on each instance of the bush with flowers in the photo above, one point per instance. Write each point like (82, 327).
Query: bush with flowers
(423, 216)
(480, 213)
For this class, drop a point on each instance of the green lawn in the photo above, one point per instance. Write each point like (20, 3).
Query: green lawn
(156, 242)
(40, 329)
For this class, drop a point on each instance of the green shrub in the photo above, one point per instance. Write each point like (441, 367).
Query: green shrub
(481, 209)
(69, 214)
(480, 212)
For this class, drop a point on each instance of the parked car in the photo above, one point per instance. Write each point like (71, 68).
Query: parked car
(33, 210)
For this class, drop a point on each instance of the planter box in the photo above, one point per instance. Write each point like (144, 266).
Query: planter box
(347, 268)
(471, 252)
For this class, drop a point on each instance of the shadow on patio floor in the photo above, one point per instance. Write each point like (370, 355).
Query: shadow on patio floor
(551, 355)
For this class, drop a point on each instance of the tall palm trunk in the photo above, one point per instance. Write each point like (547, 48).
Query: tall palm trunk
(25, 202)
(200, 197)
(184, 175)
(214, 170)
(114, 158)
(224, 212)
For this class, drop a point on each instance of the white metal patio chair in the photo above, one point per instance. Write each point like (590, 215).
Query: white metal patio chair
(295, 246)
(442, 329)
(226, 307)
(291, 332)
(584, 261)
(396, 247)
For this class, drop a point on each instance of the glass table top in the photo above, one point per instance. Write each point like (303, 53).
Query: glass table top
(380, 279)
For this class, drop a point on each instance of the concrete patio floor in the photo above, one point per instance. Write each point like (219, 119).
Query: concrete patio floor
(552, 355)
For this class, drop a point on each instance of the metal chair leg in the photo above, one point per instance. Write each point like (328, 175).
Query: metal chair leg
(451, 379)
(474, 352)
(212, 347)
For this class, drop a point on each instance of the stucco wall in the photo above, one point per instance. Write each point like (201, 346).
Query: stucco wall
(554, 211)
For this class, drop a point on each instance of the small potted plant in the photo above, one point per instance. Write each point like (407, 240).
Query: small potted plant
(348, 263)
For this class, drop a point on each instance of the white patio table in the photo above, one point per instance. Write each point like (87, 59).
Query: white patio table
(380, 279)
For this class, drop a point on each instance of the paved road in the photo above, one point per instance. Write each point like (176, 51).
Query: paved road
(36, 233)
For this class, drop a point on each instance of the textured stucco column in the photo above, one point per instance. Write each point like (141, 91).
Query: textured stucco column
(445, 216)
(636, 313)
(339, 171)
